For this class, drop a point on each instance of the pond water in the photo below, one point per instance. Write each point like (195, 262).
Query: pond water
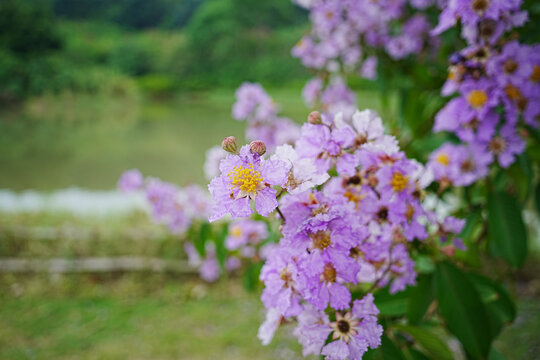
(87, 142)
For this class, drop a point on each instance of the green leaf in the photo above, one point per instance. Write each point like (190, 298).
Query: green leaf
(461, 307)
(251, 277)
(506, 228)
(199, 239)
(500, 307)
(521, 175)
(420, 297)
(537, 197)
(473, 220)
(495, 354)
(221, 251)
(387, 351)
(417, 355)
(431, 343)
(392, 304)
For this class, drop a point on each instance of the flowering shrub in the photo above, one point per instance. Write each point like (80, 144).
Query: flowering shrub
(497, 81)
(369, 253)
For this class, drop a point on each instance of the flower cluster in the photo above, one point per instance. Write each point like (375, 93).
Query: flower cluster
(170, 205)
(350, 231)
(260, 111)
(246, 240)
(178, 209)
(347, 36)
(497, 82)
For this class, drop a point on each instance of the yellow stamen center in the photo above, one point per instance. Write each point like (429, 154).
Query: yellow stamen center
(477, 98)
(409, 213)
(443, 159)
(329, 273)
(236, 231)
(321, 240)
(286, 276)
(512, 92)
(510, 66)
(497, 145)
(399, 182)
(245, 179)
(480, 6)
(355, 198)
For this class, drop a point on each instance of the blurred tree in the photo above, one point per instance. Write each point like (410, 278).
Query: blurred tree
(129, 13)
(27, 29)
(227, 38)
(27, 37)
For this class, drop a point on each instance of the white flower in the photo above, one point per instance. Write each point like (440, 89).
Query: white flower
(302, 173)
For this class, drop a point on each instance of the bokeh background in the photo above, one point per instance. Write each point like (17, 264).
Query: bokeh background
(90, 88)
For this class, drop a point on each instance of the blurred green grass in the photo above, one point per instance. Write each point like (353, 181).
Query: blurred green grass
(138, 316)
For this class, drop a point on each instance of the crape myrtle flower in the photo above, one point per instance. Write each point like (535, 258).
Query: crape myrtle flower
(253, 103)
(245, 232)
(280, 274)
(448, 228)
(245, 177)
(483, 13)
(131, 180)
(460, 165)
(352, 333)
(355, 227)
(303, 174)
(506, 145)
(208, 266)
(498, 84)
(167, 206)
(260, 111)
(214, 155)
(269, 326)
(346, 38)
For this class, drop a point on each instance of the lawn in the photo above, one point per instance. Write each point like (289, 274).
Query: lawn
(134, 316)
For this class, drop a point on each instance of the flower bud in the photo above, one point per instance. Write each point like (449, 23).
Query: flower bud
(449, 250)
(230, 144)
(314, 118)
(258, 147)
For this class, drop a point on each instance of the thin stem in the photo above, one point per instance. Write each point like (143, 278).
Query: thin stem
(281, 192)
(280, 214)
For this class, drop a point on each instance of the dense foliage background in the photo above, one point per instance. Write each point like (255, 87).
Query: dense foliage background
(51, 46)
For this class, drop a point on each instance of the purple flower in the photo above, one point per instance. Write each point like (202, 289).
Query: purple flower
(167, 206)
(130, 180)
(312, 91)
(369, 68)
(449, 227)
(214, 155)
(512, 65)
(506, 146)
(244, 232)
(269, 326)
(243, 178)
(303, 174)
(280, 275)
(354, 332)
(252, 102)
